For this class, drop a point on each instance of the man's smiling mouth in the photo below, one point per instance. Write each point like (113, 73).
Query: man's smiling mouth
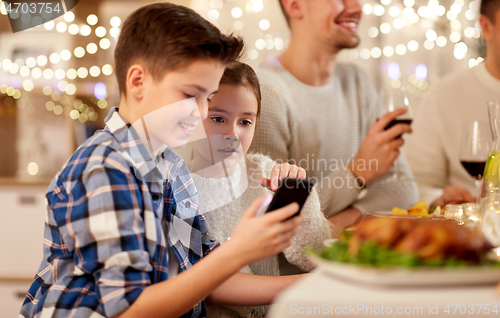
(349, 25)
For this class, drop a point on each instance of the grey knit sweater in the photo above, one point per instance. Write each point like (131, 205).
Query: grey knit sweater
(321, 129)
(223, 209)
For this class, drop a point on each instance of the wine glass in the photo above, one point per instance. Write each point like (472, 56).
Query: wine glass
(392, 99)
(474, 150)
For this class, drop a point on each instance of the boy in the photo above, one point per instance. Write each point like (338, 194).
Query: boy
(122, 213)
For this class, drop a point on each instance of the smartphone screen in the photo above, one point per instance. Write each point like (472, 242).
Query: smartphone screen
(291, 190)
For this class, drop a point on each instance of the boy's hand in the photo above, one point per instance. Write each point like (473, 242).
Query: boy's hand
(258, 237)
(281, 172)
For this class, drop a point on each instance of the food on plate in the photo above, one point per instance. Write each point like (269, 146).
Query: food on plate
(420, 209)
(399, 211)
(385, 241)
(439, 210)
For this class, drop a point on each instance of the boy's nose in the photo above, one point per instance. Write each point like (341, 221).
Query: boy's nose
(201, 111)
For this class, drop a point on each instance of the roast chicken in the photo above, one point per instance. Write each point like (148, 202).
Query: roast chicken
(428, 239)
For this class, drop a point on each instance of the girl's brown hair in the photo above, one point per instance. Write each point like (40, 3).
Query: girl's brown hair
(241, 74)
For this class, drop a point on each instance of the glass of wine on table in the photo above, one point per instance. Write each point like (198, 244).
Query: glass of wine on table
(474, 150)
(394, 99)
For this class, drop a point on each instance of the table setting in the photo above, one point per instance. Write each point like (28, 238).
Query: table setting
(440, 260)
(418, 266)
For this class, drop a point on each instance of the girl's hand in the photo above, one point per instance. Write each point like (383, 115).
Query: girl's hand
(258, 237)
(281, 172)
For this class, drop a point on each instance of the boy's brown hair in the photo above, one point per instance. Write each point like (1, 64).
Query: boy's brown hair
(164, 36)
(489, 8)
(241, 74)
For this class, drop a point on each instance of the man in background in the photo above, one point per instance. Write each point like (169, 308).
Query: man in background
(322, 115)
(433, 149)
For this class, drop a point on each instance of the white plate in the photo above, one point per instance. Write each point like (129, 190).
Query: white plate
(390, 215)
(408, 277)
(380, 212)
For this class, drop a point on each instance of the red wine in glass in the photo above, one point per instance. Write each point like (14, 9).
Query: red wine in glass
(474, 168)
(394, 99)
(474, 150)
(398, 121)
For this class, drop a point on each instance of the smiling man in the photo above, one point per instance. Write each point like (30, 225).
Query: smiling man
(322, 115)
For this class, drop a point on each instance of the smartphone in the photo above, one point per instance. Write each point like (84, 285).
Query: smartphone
(291, 190)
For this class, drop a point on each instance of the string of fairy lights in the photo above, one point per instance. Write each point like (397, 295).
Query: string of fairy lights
(404, 14)
(34, 68)
(210, 9)
(455, 26)
(408, 17)
(394, 16)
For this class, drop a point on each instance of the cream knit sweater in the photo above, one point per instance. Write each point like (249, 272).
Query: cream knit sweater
(223, 209)
(321, 129)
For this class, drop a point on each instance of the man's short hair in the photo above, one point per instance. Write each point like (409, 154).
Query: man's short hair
(489, 9)
(164, 36)
(287, 17)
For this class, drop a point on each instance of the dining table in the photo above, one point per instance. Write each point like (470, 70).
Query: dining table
(322, 293)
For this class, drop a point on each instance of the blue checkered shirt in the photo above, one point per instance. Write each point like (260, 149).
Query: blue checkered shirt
(112, 210)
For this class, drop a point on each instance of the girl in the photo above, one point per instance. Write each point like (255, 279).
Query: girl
(228, 179)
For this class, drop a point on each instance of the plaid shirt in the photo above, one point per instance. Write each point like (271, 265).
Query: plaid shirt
(106, 234)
